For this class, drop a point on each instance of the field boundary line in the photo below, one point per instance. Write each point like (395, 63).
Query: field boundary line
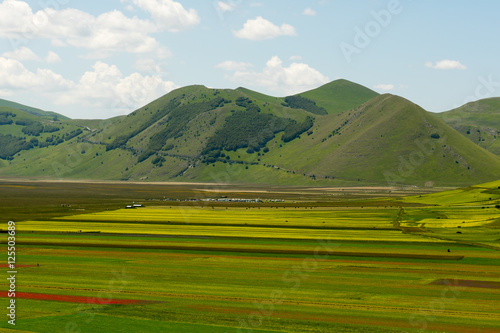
(247, 250)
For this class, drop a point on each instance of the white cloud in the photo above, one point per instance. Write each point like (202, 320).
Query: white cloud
(14, 15)
(163, 52)
(22, 54)
(385, 87)
(148, 66)
(17, 77)
(106, 87)
(57, 43)
(233, 65)
(225, 6)
(446, 64)
(106, 33)
(309, 12)
(261, 29)
(169, 14)
(6, 93)
(113, 31)
(296, 78)
(52, 58)
(103, 87)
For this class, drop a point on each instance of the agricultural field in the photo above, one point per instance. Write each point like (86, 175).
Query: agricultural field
(300, 260)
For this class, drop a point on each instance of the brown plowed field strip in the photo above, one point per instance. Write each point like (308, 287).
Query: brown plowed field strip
(246, 250)
(469, 283)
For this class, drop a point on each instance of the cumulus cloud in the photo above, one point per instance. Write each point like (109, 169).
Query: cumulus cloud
(6, 93)
(261, 29)
(25, 54)
(57, 43)
(148, 66)
(296, 78)
(14, 16)
(52, 58)
(225, 6)
(169, 14)
(106, 86)
(309, 12)
(112, 31)
(233, 65)
(385, 87)
(103, 87)
(22, 54)
(108, 32)
(17, 77)
(445, 64)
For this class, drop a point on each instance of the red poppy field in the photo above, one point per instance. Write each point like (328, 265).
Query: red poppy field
(71, 299)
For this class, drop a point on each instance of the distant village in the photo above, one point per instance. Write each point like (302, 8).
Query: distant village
(258, 200)
(221, 199)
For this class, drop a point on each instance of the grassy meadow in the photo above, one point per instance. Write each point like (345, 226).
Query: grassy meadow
(314, 262)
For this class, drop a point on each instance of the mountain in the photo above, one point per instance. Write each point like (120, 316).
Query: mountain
(340, 95)
(478, 121)
(33, 111)
(391, 140)
(22, 130)
(241, 136)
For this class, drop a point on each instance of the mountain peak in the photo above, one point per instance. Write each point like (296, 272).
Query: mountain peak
(340, 95)
(195, 132)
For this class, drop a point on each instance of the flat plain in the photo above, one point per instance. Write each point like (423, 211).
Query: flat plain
(287, 260)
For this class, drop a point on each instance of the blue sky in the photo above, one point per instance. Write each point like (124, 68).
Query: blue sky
(99, 59)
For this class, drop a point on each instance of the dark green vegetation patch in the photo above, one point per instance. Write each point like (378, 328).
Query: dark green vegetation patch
(177, 120)
(299, 102)
(11, 145)
(294, 129)
(246, 129)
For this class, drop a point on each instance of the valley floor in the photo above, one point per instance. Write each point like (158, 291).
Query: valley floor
(291, 260)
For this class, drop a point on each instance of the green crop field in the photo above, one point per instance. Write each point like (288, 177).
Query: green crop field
(352, 263)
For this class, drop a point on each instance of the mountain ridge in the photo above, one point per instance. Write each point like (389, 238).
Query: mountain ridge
(32, 110)
(479, 121)
(198, 134)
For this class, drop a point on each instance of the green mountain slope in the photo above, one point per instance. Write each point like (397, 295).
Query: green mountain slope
(387, 140)
(34, 111)
(21, 131)
(240, 136)
(478, 121)
(340, 95)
